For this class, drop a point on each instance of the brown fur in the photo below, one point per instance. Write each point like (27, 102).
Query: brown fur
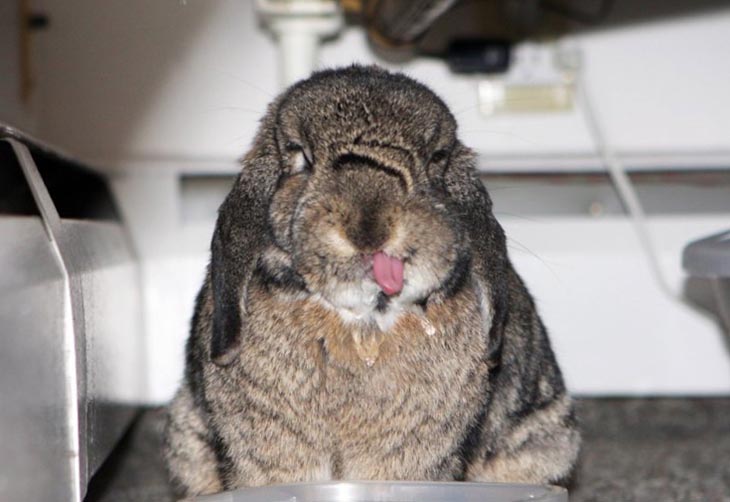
(299, 369)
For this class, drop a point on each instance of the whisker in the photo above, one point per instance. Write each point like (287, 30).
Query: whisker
(527, 250)
(237, 109)
(519, 216)
(250, 84)
(504, 133)
(465, 109)
(237, 139)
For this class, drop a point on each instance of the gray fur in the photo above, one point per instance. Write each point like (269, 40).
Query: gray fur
(298, 370)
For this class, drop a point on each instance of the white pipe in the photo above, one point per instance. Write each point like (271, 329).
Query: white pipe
(297, 55)
(299, 27)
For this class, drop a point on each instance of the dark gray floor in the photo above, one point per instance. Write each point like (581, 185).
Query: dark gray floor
(658, 450)
(654, 450)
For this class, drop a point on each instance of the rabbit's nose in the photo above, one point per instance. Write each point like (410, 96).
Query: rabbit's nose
(368, 234)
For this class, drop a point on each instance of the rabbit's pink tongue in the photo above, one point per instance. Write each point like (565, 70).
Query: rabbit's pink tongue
(388, 272)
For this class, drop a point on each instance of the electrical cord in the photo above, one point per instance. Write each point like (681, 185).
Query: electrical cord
(624, 187)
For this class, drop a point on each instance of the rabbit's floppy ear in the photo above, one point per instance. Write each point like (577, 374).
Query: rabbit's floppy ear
(488, 244)
(242, 232)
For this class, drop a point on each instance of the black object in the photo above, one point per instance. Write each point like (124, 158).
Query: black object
(403, 29)
(38, 21)
(77, 191)
(478, 56)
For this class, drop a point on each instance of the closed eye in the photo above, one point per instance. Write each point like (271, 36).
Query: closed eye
(439, 155)
(299, 161)
(348, 158)
(436, 163)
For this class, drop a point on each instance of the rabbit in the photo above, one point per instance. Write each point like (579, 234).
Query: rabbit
(360, 318)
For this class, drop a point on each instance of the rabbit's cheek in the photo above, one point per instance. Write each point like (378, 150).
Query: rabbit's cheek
(430, 245)
(338, 243)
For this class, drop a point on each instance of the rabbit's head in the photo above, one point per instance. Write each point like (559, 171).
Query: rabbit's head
(357, 176)
(362, 209)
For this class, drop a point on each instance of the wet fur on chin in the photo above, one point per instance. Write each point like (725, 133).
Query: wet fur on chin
(299, 369)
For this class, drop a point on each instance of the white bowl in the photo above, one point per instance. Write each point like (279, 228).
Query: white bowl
(393, 491)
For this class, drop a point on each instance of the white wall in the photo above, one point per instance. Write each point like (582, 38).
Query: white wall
(614, 330)
(151, 90)
(188, 80)
(13, 111)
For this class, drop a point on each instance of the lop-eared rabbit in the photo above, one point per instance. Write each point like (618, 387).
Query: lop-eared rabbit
(360, 318)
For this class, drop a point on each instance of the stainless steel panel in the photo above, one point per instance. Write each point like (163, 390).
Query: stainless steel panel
(71, 303)
(105, 283)
(39, 446)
